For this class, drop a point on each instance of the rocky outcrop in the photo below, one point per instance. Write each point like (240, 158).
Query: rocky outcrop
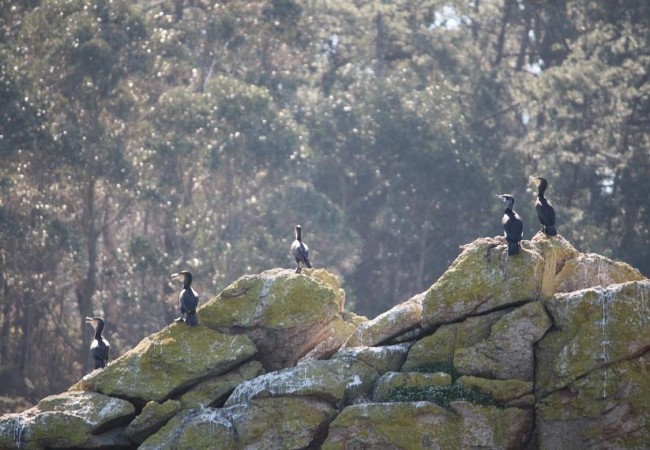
(547, 349)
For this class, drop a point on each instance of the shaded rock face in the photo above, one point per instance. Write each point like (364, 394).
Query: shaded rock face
(537, 350)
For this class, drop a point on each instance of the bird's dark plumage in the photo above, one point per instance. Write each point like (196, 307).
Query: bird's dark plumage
(545, 211)
(99, 346)
(300, 251)
(188, 299)
(513, 226)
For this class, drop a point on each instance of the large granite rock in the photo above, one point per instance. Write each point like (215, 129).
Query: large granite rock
(336, 381)
(606, 409)
(167, 362)
(482, 279)
(508, 352)
(416, 425)
(264, 424)
(494, 330)
(71, 419)
(285, 314)
(593, 328)
(398, 320)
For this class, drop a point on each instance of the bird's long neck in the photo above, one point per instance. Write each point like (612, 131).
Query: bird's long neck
(98, 331)
(186, 284)
(298, 235)
(509, 211)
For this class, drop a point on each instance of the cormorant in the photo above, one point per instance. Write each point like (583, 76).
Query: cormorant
(545, 211)
(188, 299)
(100, 346)
(300, 251)
(513, 226)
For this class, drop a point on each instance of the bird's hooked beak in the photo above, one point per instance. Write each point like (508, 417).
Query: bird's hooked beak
(535, 180)
(176, 276)
(91, 321)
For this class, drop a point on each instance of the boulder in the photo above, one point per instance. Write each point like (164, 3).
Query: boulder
(285, 314)
(71, 419)
(167, 362)
(590, 270)
(215, 390)
(337, 381)
(415, 425)
(153, 416)
(268, 423)
(389, 358)
(556, 251)
(481, 279)
(503, 392)
(593, 328)
(508, 352)
(606, 409)
(389, 381)
(340, 332)
(435, 349)
(398, 320)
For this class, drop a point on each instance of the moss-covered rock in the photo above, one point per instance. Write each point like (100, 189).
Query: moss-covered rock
(338, 381)
(556, 251)
(416, 425)
(269, 423)
(388, 382)
(389, 358)
(433, 349)
(607, 408)
(481, 279)
(153, 416)
(167, 362)
(214, 390)
(593, 328)
(503, 392)
(285, 314)
(397, 320)
(340, 332)
(508, 352)
(590, 270)
(71, 419)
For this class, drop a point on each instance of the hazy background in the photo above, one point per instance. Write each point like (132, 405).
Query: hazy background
(142, 137)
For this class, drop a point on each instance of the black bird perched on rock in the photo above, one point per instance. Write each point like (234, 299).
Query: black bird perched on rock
(513, 226)
(545, 211)
(300, 251)
(100, 346)
(188, 299)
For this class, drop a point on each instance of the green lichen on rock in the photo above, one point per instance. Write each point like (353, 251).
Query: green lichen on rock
(483, 278)
(508, 352)
(168, 361)
(607, 408)
(71, 419)
(556, 251)
(263, 424)
(398, 320)
(593, 328)
(415, 425)
(590, 270)
(214, 389)
(435, 348)
(390, 381)
(337, 381)
(285, 314)
(153, 416)
(501, 392)
(389, 358)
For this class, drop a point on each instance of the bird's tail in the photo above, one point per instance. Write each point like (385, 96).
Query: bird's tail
(191, 319)
(550, 230)
(307, 263)
(513, 248)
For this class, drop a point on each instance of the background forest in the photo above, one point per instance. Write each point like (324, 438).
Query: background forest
(140, 137)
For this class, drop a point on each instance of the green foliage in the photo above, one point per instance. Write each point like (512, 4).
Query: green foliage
(441, 395)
